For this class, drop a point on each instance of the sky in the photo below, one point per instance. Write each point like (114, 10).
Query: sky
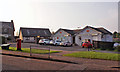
(55, 14)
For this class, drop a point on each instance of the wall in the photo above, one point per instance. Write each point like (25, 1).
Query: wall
(62, 36)
(107, 38)
(92, 35)
(20, 35)
(7, 30)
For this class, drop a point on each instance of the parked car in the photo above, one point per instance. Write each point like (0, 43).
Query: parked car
(87, 45)
(116, 44)
(57, 42)
(51, 42)
(44, 41)
(66, 43)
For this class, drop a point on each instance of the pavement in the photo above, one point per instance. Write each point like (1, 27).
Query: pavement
(72, 62)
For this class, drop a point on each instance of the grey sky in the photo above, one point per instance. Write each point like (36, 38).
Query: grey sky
(55, 15)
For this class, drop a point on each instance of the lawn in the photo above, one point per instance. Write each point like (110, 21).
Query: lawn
(37, 51)
(94, 55)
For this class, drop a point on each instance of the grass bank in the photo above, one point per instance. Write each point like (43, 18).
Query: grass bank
(37, 51)
(94, 55)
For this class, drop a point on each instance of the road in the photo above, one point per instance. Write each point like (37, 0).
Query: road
(73, 48)
(21, 63)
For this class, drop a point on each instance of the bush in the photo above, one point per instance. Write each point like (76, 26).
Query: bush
(8, 38)
(117, 48)
(106, 48)
(102, 48)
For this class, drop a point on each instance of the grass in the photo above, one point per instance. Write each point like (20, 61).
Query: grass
(94, 55)
(37, 51)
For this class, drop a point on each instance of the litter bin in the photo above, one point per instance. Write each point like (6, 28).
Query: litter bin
(18, 44)
(5, 46)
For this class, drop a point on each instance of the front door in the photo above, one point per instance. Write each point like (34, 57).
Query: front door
(74, 40)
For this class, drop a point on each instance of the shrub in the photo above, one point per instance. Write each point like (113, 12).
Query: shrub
(103, 48)
(117, 48)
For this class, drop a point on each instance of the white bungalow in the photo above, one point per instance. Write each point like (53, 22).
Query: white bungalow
(91, 33)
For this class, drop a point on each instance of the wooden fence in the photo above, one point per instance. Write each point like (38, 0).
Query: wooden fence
(103, 44)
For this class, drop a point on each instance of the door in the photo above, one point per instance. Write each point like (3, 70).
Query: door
(73, 39)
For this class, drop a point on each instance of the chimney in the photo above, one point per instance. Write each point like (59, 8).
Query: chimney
(12, 21)
(13, 24)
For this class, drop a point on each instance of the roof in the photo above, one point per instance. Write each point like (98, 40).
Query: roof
(69, 31)
(77, 30)
(104, 31)
(8, 24)
(72, 32)
(33, 32)
(101, 29)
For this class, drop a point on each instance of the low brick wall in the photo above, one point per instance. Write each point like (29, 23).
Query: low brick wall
(103, 44)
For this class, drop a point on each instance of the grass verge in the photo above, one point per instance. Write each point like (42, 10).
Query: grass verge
(37, 51)
(95, 55)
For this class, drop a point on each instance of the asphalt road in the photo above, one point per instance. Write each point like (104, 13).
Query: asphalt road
(20, 63)
(72, 48)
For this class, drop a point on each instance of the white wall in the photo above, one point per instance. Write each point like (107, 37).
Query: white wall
(62, 36)
(92, 35)
(108, 38)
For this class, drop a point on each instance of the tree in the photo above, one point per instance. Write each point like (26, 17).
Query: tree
(115, 34)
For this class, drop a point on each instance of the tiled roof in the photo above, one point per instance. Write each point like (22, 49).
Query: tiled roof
(72, 32)
(33, 32)
(101, 29)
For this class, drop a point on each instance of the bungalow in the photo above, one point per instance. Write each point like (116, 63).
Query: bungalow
(65, 35)
(91, 33)
(31, 34)
(7, 30)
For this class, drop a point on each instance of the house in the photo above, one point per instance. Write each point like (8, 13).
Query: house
(7, 30)
(65, 35)
(31, 34)
(91, 33)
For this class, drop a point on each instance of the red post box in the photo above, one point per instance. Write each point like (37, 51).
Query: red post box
(18, 44)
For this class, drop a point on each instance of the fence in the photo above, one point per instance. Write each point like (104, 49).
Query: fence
(47, 48)
(102, 44)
